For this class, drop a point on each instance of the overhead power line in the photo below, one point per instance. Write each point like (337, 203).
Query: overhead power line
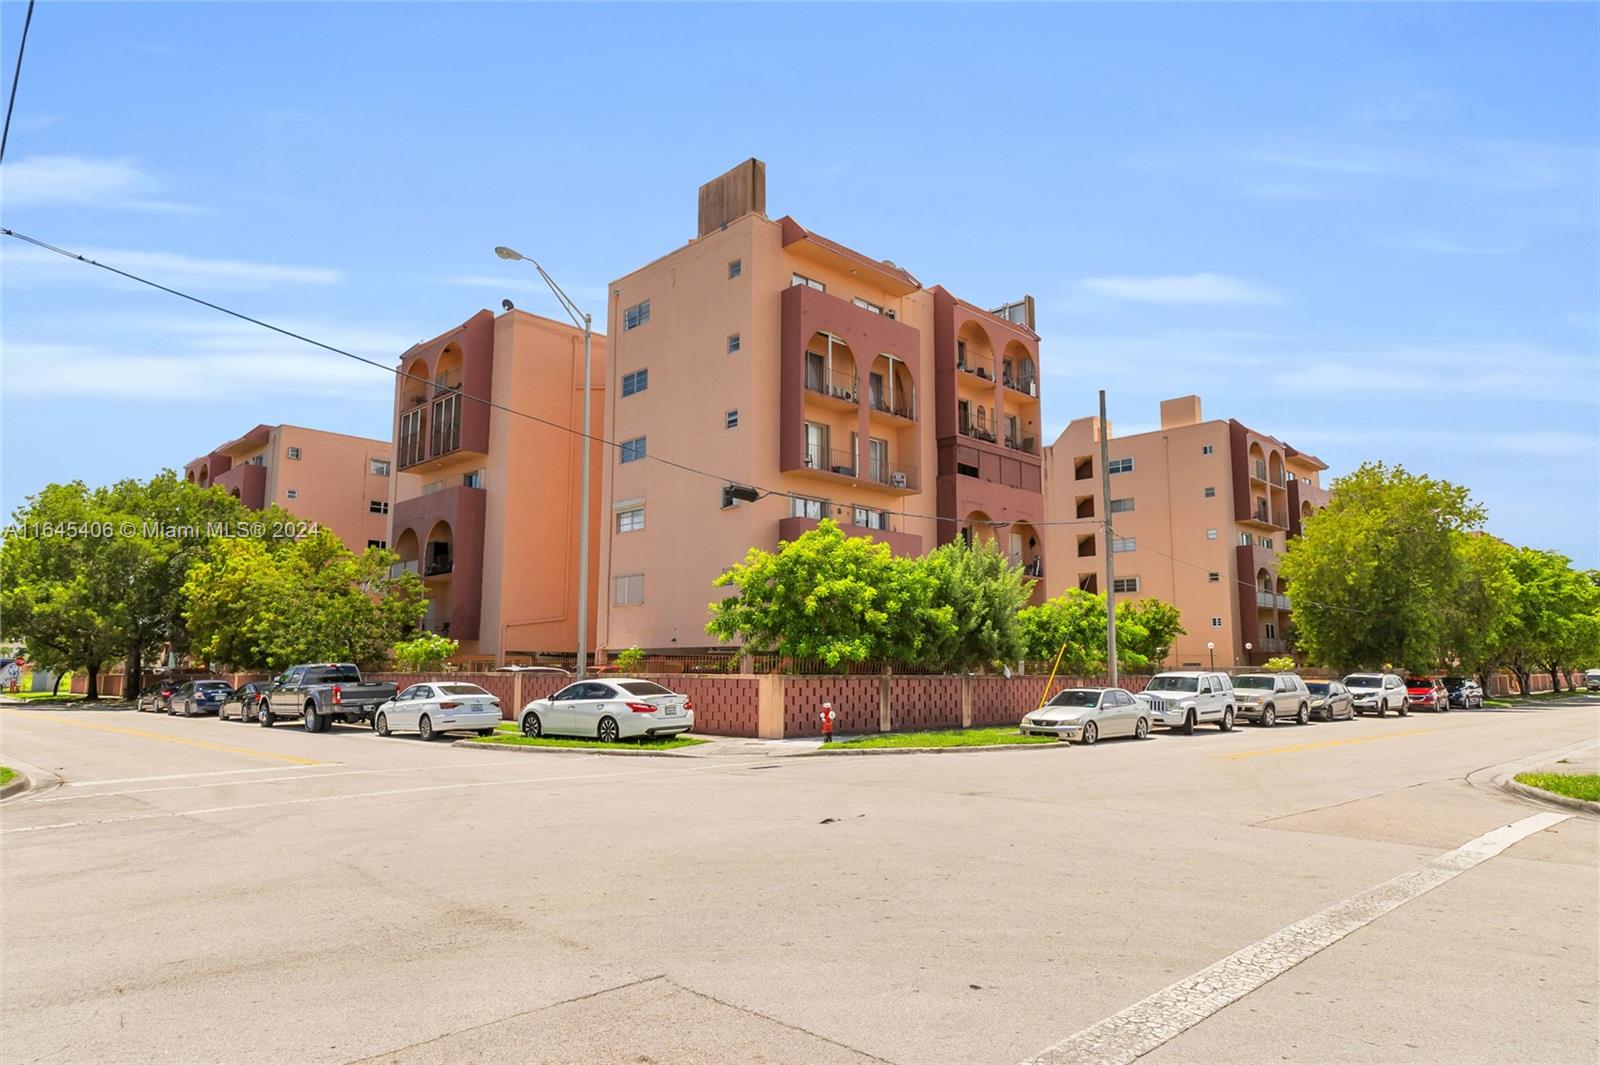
(16, 79)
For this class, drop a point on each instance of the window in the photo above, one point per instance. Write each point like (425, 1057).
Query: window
(1207, 450)
(802, 279)
(633, 450)
(816, 446)
(630, 520)
(627, 590)
(1122, 543)
(1211, 534)
(1272, 631)
(380, 544)
(291, 493)
(1216, 623)
(733, 343)
(735, 268)
(380, 467)
(1120, 466)
(803, 507)
(1214, 577)
(1125, 584)
(1244, 539)
(294, 452)
(472, 480)
(637, 315)
(378, 506)
(869, 518)
(867, 305)
(1211, 492)
(637, 381)
(1264, 541)
(731, 420)
(1121, 506)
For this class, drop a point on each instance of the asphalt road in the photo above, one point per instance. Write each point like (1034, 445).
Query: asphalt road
(200, 891)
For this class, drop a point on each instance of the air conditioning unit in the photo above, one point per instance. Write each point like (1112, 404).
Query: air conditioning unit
(897, 479)
(890, 312)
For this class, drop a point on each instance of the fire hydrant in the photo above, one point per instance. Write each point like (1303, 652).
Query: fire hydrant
(827, 722)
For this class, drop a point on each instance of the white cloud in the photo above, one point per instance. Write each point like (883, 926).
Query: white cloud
(1191, 289)
(1502, 164)
(52, 370)
(168, 268)
(73, 180)
(1438, 245)
(1540, 443)
(1491, 371)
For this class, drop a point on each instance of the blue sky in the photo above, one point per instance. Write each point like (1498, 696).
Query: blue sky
(1371, 230)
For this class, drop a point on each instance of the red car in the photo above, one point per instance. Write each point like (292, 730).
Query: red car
(1427, 693)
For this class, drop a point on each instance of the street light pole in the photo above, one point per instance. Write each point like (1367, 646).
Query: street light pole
(1211, 649)
(583, 320)
(1111, 578)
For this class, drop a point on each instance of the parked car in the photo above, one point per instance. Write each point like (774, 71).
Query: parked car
(319, 693)
(1427, 693)
(446, 706)
(1377, 693)
(201, 696)
(609, 710)
(1086, 714)
(1267, 698)
(1591, 680)
(241, 702)
(1182, 700)
(155, 696)
(561, 670)
(1464, 692)
(1331, 700)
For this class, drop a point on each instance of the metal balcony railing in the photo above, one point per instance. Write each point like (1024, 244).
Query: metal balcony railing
(903, 404)
(831, 460)
(400, 569)
(886, 473)
(449, 381)
(1283, 602)
(409, 449)
(977, 365)
(835, 383)
(1264, 599)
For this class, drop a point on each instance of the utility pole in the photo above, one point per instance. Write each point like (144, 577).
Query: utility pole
(1105, 500)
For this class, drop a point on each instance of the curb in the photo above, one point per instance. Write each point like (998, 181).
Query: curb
(1528, 791)
(29, 778)
(16, 787)
(604, 751)
(825, 752)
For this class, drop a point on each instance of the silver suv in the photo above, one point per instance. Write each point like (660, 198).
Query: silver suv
(1378, 693)
(1267, 698)
(1182, 700)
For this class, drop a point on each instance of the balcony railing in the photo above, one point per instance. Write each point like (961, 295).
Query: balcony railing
(446, 431)
(830, 460)
(409, 449)
(438, 566)
(977, 365)
(979, 433)
(894, 476)
(1264, 599)
(902, 404)
(413, 394)
(400, 569)
(1274, 643)
(1026, 444)
(1028, 384)
(1258, 470)
(1283, 602)
(1034, 567)
(835, 383)
(449, 381)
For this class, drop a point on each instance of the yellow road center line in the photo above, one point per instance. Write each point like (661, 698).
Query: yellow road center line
(1324, 744)
(142, 734)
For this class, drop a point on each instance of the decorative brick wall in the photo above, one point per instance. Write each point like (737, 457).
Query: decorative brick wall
(924, 702)
(723, 706)
(854, 699)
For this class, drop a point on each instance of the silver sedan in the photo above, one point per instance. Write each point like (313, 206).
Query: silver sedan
(1086, 714)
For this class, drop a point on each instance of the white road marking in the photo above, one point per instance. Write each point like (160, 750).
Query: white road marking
(241, 783)
(1142, 1027)
(178, 776)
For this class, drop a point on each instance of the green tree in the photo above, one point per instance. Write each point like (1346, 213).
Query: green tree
(1373, 576)
(1145, 631)
(1483, 609)
(1554, 619)
(973, 596)
(426, 653)
(825, 596)
(1073, 626)
(629, 659)
(1279, 664)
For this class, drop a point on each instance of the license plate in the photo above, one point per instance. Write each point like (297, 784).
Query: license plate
(671, 711)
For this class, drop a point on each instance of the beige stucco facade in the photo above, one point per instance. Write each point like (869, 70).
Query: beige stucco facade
(1203, 511)
(336, 480)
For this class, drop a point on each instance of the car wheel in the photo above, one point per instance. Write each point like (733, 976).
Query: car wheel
(425, 728)
(531, 725)
(263, 714)
(1141, 730)
(1269, 717)
(312, 721)
(1304, 716)
(1090, 734)
(1227, 720)
(380, 724)
(486, 732)
(608, 729)
(1188, 724)
(1405, 709)
(1383, 709)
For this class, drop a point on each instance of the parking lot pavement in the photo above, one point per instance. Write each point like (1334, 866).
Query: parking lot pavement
(282, 896)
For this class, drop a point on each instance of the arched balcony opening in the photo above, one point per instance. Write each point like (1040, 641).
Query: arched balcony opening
(205, 476)
(438, 556)
(1016, 369)
(1258, 462)
(889, 388)
(236, 493)
(977, 527)
(1025, 548)
(410, 443)
(445, 434)
(447, 370)
(974, 352)
(831, 368)
(1264, 589)
(410, 553)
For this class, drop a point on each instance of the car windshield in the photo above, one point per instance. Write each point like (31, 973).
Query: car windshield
(1317, 687)
(1259, 683)
(461, 689)
(212, 686)
(1418, 682)
(1173, 684)
(1363, 680)
(1075, 697)
(643, 687)
(1453, 683)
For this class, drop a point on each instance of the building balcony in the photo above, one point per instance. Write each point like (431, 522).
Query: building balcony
(246, 482)
(1283, 602)
(899, 408)
(1261, 519)
(1274, 644)
(1027, 444)
(409, 450)
(838, 389)
(439, 537)
(1027, 384)
(977, 432)
(901, 543)
(895, 478)
(400, 569)
(846, 467)
(1265, 599)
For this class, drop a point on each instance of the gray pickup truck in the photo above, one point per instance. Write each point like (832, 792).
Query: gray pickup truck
(321, 694)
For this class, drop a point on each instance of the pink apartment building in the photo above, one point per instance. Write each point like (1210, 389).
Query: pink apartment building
(486, 498)
(1201, 512)
(836, 384)
(334, 479)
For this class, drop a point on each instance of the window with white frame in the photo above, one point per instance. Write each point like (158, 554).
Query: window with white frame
(806, 507)
(867, 305)
(1264, 541)
(1214, 577)
(1211, 493)
(380, 467)
(733, 343)
(1207, 450)
(291, 493)
(1122, 543)
(632, 450)
(1271, 631)
(378, 506)
(473, 479)
(630, 519)
(637, 315)
(634, 382)
(1216, 623)
(730, 420)
(1124, 465)
(1211, 534)
(627, 590)
(871, 518)
(1121, 506)
(294, 452)
(1125, 585)
(735, 268)
(1244, 539)
(379, 544)
(802, 279)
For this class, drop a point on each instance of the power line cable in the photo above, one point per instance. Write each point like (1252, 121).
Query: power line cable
(16, 78)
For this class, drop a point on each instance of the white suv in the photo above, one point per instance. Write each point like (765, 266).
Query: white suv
(1377, 693)
(1267, 698)
(1184, 700)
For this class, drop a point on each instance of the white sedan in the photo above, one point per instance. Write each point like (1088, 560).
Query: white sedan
(429, 709)
(1086, 714)
(609, 710)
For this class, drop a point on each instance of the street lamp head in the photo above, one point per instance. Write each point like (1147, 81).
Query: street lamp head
(508, 253)
(1211, 645)
(1249, 647)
